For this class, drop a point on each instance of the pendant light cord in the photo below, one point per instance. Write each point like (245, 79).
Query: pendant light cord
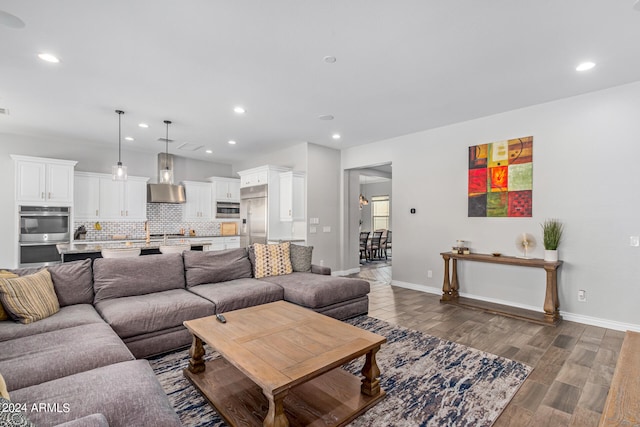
(120, 113)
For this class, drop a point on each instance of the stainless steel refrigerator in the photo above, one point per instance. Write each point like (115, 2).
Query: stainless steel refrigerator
(253, 215)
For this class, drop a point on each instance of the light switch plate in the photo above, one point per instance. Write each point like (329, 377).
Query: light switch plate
(326, 229)
(313, 230)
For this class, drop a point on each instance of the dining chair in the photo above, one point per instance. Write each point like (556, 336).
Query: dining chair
(386, 244)
(373, 248)
(364, 239)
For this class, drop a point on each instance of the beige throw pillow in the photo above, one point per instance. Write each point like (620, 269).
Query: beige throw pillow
(29, 298)
(3, 388)
(272, 260)
(6, 275)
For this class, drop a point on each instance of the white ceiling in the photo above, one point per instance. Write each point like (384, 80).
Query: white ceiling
(402, 66)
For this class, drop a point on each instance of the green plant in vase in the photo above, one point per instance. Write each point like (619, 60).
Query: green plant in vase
(551, 236)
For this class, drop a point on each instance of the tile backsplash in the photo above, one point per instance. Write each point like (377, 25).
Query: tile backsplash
(162, 218)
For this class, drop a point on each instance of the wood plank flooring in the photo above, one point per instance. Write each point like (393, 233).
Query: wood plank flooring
(574, 363)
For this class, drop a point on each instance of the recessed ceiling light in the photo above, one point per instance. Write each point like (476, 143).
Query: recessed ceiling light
(239, 110)
(48, 57)
(129, 138)
(584, 66)
(326, 117)
(232, 142)
(208, 151)
(636, 6)
(335, 136)
(329, 59)
(143, 125)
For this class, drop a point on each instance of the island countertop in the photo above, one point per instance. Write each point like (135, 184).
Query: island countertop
(90, 247)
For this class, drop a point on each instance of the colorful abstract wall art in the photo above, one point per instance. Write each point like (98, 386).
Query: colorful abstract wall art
(501, 178)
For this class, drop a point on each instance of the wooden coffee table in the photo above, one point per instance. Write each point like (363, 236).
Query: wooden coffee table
(280, 366)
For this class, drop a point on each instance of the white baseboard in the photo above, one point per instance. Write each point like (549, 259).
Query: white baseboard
(580, 318)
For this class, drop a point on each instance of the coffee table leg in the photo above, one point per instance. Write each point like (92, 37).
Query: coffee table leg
(370, 383)
(196, 362)
(276, 416)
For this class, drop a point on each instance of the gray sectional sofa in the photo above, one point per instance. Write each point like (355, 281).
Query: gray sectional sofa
(86, 360)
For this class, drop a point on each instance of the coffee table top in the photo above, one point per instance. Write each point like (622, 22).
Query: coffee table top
(279, 345)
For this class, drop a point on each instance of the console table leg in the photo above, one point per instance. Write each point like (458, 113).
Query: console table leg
(551, 303)
(196, 362)
(276, 416)
(370, 383)
(454, 280)
(446, 285)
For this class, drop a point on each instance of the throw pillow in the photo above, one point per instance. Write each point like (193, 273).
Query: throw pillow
(29, 298)
(272, 260)
(7, 275)
(3, 388)
(301, 258)
(13, 415)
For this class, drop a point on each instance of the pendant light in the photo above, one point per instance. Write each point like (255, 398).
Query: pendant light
(166, 177)
(119, 172)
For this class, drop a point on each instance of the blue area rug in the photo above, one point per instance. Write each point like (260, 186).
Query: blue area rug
(429, 382)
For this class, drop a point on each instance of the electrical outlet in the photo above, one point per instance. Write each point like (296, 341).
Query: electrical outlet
(429, 274)
(313, 230)
(582, 295)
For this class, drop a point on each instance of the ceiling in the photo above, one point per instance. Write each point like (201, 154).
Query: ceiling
(401, 67)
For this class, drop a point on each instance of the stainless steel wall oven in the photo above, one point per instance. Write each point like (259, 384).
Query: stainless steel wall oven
(41, 228)
(227, 210)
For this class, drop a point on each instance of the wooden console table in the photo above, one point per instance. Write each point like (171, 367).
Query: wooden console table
(551, 315)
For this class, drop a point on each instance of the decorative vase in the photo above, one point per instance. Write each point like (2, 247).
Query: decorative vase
(551, 255)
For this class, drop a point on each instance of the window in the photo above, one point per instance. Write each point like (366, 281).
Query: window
(380, 212)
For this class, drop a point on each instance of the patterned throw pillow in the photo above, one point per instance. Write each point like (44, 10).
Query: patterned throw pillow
(29, 298)
(272, 260)
(6, 275)
(301, 258)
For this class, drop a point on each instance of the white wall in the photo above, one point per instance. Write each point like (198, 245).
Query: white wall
(585, 151)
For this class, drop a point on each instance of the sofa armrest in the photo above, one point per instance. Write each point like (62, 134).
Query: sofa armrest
(320, 269)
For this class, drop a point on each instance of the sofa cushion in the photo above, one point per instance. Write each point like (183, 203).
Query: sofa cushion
(124, 277)
(272, 259)
(30, 298)
(126, 393)
(316, 290)
(142, 314)
(216, 266)
(239, 293)
(301, 257)
(48, 356)
(93, 420)
(67, 317)
(73, 282)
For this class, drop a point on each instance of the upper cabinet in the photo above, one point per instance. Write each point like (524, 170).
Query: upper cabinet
(258, 176)
(199, 201)
(292, 196)
(98, 197)
(40, 180)
(225, 189)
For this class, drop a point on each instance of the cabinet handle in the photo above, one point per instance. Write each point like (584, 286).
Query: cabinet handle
(49, 194)
(121, 213)
(96, 212)
(42, 197)
(127, 213)
(289, 212)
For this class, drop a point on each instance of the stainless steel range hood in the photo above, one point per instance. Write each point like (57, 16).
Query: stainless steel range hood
(165, 193)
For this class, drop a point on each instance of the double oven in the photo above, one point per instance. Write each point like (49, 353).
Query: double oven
(41, 229)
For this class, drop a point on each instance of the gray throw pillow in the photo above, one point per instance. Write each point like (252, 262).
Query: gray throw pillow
(301, 258)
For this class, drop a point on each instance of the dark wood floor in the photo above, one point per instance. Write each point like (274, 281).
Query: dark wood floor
(573, 363)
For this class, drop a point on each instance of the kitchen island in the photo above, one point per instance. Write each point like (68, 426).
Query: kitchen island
(92, 249)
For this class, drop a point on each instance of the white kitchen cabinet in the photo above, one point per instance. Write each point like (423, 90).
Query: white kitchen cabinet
(41, 180)
(226, 189)
(198, 206)
(292, 196)
(99, 197)
(259, 176)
